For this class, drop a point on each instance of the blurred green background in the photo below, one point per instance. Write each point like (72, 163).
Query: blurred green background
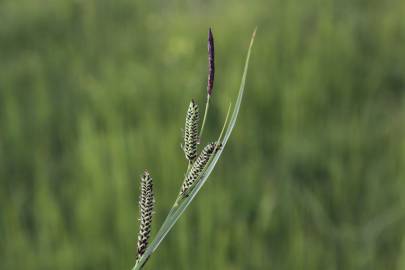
(93, 92)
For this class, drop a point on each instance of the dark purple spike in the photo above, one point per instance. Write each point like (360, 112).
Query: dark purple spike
(211, 62)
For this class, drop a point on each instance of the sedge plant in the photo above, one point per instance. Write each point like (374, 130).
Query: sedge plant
(200, 165)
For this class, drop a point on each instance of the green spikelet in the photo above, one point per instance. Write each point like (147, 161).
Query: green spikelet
(191, 132)
(198, 167)
(146, 202)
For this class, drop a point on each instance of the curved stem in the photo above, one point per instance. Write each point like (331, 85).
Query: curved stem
(207, 105)
(226, 121)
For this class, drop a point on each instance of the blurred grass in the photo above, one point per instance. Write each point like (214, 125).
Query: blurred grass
(93, 92)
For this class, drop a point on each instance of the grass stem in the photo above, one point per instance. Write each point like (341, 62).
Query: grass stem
(207, 105)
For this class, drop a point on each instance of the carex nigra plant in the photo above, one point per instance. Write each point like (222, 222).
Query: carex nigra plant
(200, 165)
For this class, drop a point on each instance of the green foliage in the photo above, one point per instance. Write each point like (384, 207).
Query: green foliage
(93, 92)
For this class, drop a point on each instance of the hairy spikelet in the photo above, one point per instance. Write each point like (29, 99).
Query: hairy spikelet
(191, 132)
(146, 202)
(198, 167)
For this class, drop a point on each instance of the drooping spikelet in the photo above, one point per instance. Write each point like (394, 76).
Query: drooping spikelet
(191, 132)
(146, 202)
(211, 62)
(198, 166)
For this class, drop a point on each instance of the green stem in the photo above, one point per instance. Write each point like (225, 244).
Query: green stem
(207, 105)
(226, 121)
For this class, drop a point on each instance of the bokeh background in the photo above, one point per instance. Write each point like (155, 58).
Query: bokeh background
(93, 92)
